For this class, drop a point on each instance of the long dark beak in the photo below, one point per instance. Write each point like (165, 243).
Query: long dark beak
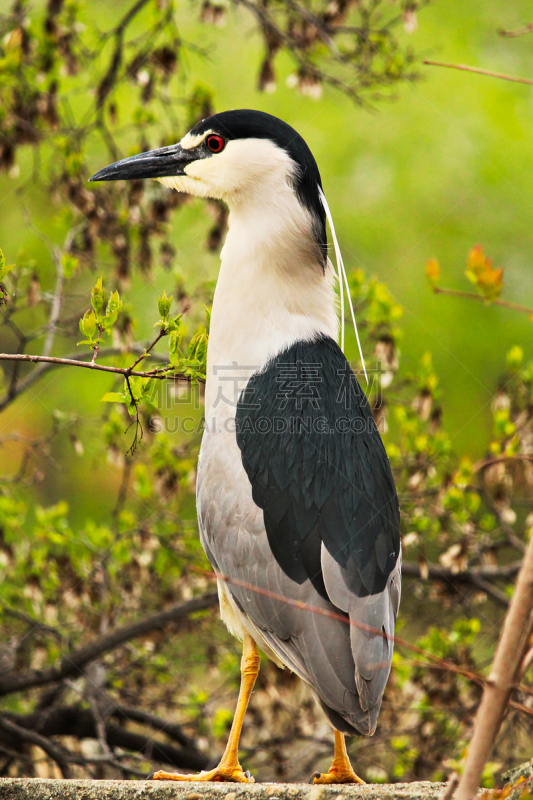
(154, 164)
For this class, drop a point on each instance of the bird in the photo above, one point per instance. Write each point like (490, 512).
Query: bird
(297, 506)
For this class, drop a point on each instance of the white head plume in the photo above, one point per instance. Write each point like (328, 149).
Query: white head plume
(342, 279)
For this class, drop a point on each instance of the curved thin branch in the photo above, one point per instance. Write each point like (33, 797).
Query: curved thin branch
(497, 301)
(45, 366)
(173, 731)
(73, 663)
(479, 576)
(79, 723)
(43, 742)
(518, 32)
(71, 362)
(480, 71)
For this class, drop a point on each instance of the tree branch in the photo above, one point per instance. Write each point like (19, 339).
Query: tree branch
(473, 296)
(45, 366)
(479, 71)
(500, 683)
(41, 741)
(478, 577)
(73, 663)
(127, 713)
(517, 32)
(79, 723)
(70, 362)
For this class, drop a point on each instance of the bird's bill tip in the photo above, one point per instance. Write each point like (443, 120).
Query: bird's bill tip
(159, 163)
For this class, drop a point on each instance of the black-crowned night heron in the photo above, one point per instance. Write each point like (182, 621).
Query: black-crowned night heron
(297, 507)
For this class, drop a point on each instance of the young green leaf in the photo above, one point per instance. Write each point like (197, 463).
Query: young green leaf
(4, 269)
(88, 324)
(98, 296)
(114, 397)
(163, 304)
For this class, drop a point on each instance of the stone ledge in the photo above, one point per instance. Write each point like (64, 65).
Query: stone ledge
(47, 789)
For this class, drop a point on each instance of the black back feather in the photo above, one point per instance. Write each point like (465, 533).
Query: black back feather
(318, 468)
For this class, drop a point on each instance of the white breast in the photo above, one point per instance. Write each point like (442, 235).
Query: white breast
(271, 292)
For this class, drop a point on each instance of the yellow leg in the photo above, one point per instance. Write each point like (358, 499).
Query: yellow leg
(229, 768)
(341, 770)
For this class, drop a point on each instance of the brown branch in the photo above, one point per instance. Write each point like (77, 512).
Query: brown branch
(96, 348)
(488, 462)
(46, 366)
(490, 590)
(129, 16)
(473, 296)
(500, 683)
(74, 662)
(108, 81)
(79, 723)
(170, 729)
(163, 332)
(71, 362)
(477, 577)
(320, 27)
(35, 625)
(33, 737)
(479, 71)
(517, 32)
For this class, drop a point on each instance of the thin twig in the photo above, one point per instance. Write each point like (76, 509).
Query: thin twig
(163, 332)
(41, 741)
(96, 348)
(129, 16)
(70, 362)
(473, 296)
(73, 663)
(46, 366)
(517, 32)
(56, 303)
(79, 723)
(35, 624)
(488, 462)
(479, 71)
(163, 726)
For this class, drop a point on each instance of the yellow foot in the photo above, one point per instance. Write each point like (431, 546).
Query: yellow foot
(336, 776)
(234, 774)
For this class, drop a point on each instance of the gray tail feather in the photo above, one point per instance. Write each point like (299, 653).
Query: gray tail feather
(366, 722)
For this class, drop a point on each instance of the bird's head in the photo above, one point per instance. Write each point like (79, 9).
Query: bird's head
(238, 156)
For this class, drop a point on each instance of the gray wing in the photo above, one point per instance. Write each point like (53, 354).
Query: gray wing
(372, 654)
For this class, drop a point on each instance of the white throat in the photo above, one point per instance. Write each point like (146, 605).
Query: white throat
(271, 291)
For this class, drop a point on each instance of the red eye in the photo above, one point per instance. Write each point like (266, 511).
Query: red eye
(215, 143)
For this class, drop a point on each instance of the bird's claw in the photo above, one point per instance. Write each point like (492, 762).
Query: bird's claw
(335, 776)
(232, 774)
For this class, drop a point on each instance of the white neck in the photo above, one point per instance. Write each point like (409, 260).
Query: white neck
(271, 291)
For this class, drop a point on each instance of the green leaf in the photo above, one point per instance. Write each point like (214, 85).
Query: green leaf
(174, 324)
(114, 305)
(88, 324)
(70, 264)
(3, 268)
(198, 347)
(98, 296)
(163, 304)
(113, 397)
